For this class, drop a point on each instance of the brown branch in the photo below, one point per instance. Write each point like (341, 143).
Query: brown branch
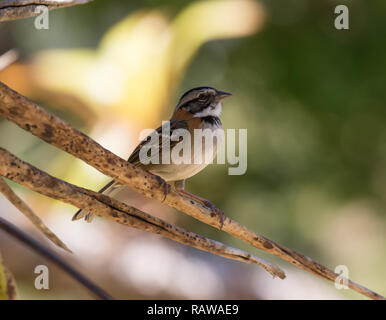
(19, 9)
(26, 210)
(53, 130)
(25, 174)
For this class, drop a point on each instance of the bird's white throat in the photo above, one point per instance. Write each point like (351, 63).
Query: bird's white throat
(214, 112)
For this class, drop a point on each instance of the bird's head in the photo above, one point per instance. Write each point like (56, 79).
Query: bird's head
(202, 102)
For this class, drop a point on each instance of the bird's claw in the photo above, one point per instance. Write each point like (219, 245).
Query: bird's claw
(165, 186)
(215, 212)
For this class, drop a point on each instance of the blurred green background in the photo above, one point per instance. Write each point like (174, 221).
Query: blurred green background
(311, 97)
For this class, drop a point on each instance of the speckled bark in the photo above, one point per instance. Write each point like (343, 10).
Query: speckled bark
(23, 173)
(51, 129)
(19, 9)
(26, 210)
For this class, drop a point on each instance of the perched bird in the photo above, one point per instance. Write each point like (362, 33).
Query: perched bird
(198, 108)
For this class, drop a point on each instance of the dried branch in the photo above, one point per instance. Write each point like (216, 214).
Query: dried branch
(104, 206)
(19, 9)
(52, 256)
(23, 207)
(53, 130)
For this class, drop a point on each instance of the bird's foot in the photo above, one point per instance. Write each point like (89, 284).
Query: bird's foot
(164, 185)
(215, 211)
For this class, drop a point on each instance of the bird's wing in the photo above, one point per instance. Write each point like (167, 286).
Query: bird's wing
(110, 188)
(157, 139)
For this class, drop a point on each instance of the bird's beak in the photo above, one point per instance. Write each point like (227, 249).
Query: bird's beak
(222, 95)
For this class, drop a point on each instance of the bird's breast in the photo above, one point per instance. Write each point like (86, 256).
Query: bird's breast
(203, 149)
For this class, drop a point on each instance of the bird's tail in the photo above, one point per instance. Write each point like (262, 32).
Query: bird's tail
(108, 189)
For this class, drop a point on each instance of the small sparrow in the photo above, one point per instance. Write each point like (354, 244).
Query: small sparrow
(198, 108)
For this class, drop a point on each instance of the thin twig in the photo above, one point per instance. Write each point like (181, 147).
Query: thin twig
(49, 254)
(19, 9)
(26, 210)
(23, 173)
(55, 131)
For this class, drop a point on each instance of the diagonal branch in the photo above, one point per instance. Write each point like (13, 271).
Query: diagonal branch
(53, 130)
(23, 173)
(19, 9)
(26, 210)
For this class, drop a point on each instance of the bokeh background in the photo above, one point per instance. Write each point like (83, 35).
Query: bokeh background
(313, 101)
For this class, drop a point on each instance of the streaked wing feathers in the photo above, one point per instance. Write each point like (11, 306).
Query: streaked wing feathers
(174, 125)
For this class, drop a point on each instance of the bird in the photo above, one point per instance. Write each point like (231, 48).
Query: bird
(197, 108)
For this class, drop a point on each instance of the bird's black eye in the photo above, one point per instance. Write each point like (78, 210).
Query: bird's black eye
(202, 97)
